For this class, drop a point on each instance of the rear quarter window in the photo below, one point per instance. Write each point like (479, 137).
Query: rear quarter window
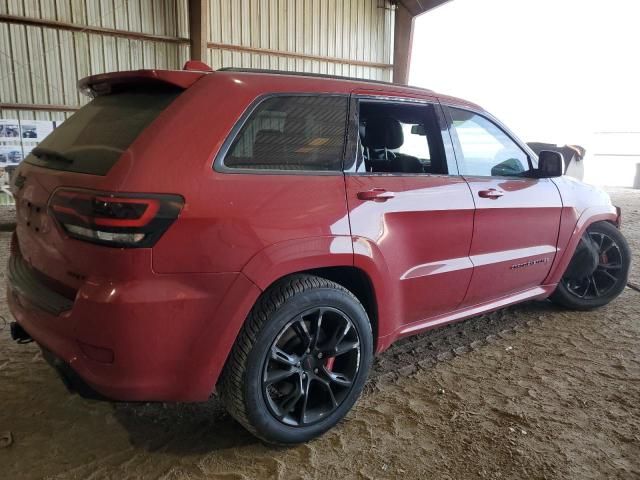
(292, 133)
(93, 139)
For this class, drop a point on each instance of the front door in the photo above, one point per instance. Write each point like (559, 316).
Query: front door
(410, 212)
(517, 218)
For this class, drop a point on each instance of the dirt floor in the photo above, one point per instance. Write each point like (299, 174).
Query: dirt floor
(528, 392)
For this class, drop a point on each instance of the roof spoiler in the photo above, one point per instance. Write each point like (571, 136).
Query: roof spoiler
(103, 84)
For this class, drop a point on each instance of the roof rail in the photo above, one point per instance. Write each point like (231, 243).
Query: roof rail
(316, 75)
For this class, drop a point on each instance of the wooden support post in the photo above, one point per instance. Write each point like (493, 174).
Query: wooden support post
(198, 31)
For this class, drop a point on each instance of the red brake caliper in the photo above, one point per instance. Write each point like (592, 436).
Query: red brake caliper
(329, 363)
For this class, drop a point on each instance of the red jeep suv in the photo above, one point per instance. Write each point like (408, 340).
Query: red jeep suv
(262, 235)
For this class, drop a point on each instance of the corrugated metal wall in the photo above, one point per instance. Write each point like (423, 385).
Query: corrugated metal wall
(360, 30)
(41, 65)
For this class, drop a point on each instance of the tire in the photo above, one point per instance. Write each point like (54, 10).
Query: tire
(570, 293)
(278, 333)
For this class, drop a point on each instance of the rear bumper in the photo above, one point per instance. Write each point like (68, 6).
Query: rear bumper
(161, 338)
(25, 282)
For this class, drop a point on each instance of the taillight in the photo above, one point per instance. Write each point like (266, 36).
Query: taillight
(114, 219)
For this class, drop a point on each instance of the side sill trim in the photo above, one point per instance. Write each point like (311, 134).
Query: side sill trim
(542, 291)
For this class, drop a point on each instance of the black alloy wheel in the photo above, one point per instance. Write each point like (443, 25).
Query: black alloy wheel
(311, 366)
(607, 273)
(300, 360)
(595, 278)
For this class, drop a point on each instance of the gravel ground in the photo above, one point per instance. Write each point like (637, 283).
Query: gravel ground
(527, 392)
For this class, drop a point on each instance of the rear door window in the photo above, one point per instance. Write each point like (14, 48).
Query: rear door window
(292, 133)
(400, 138)
(93, 139)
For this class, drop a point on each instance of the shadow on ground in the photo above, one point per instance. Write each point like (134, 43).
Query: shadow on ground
(181, 428)
(198, 428)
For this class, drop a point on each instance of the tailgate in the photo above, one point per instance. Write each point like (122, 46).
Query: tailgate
(80, 154)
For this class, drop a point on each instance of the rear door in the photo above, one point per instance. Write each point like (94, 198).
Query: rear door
(517, 218)
(410, 211)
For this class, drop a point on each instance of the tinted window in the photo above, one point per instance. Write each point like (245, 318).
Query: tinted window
(400, 138)
(92, 139)
(292, 133)
(486, 149)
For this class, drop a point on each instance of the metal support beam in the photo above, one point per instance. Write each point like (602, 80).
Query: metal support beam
(402, 42)
(45, 107)
(198, 29)
(304, 56)
(405, 14)
(72, 27)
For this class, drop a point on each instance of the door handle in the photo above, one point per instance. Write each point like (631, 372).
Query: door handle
(492, 193)
(377, 195)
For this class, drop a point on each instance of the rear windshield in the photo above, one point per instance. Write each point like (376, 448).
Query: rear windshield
(93, 139)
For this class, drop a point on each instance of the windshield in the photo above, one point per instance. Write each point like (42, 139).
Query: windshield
(93, 139)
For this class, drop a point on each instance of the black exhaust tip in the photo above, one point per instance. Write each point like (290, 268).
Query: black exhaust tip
(19, 334)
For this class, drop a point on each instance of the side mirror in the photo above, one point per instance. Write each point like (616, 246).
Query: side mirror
(550, 164)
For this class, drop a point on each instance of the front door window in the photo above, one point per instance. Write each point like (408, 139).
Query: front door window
(487, 151)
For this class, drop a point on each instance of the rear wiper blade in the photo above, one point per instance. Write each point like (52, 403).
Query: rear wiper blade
(47, 152)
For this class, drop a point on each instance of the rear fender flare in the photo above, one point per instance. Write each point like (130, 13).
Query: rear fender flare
(291, 256)
(212, 345)
(368, 258)
(294, 256)
(270, 264)
(281, 259)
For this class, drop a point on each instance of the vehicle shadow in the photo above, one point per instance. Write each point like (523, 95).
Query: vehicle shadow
(197, 428)
(181, 428)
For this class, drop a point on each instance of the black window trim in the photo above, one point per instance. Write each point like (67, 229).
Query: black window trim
(353, 136)
(490, 118)
(220, 167)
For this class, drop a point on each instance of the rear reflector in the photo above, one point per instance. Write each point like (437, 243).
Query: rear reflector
(98, 354)
(114, 219)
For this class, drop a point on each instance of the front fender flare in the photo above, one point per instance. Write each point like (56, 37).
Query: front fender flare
(588, 217)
